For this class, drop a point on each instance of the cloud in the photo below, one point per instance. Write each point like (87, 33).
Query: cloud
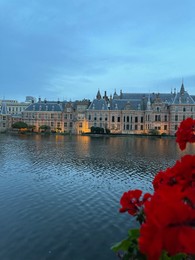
(74, 47)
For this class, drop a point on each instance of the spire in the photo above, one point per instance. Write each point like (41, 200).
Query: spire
(98, 96)
(182, 89)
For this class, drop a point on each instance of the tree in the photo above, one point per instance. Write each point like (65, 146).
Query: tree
(20, 125)
(97, 130)
(153, 132)
(31, 128)
(44, 128)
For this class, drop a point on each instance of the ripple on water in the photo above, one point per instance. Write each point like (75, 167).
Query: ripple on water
(60, 196)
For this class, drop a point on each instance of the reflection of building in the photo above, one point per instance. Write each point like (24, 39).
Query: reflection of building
(136, 113)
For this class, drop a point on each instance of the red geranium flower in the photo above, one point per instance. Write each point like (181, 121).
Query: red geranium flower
(186, 133)
(169, 223)
(131, 201)
(182, 174)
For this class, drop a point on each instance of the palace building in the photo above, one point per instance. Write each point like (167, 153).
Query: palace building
(123, 113)
(141, 113)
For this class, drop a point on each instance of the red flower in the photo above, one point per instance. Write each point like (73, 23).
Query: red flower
(130, 201)
(186, 133)
(170, 222)
(182, 174)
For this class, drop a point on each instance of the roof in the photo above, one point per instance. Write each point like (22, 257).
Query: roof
(45, 106)
(98, 104)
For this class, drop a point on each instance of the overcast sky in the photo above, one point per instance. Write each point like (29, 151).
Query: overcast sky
(70, 49)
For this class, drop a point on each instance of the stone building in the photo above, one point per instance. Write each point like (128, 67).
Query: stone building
(44, 113)
(15, 107)
(124, 113)
(141, 113)
(4, 118)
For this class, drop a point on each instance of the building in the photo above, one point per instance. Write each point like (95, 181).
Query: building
(141, 113)
(4, 118)
(15, 107)
(124, 113)
(44, 113)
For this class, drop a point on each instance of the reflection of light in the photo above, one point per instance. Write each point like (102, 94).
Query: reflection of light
(59, 138)
(83, 145)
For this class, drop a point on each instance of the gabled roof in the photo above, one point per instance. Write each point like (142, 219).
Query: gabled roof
(98, 104)
(183, 98)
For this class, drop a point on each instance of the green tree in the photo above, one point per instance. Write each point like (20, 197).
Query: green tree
(153, 132)
(19, 125)
(45, 128)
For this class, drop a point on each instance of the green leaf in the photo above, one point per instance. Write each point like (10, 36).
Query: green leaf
(122, 245)
(133, 233)
(164, 256)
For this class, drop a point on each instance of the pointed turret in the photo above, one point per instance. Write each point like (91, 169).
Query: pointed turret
(182, 89)
(149, 103)
(98, 96)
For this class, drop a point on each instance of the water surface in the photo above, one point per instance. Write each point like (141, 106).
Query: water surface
(59, 195)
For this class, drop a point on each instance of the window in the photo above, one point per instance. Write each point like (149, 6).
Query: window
(65, 124)
(142, 127)
(184, 109)
(157, 117)
(142, 119)
(80, 125)
(165, 118)
(89, 117)
(127, 118)
(118, 119)
(175, 127)
(165, 127)
(136, 119)
(112, 118)
(176, 117)
(136, 127)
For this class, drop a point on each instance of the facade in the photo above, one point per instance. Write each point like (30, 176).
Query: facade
(44, 113)
(141, 113)
(4, 118)
(65, 117)
(124, 113)
(16, 108)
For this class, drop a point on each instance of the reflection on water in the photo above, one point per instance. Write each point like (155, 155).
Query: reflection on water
(59, 195)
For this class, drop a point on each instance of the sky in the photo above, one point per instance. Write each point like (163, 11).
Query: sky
(67, 50)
